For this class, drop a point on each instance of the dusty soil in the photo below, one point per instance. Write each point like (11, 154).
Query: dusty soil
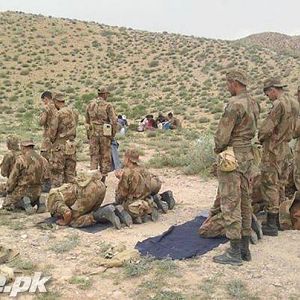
(272, 274)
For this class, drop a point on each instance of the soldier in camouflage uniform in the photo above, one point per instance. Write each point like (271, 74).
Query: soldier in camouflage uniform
(134, 189)
(289, 213)
(297, 148)
(63, 149)
(78, 204)
(24, 182)
(237, 128)
(275, 133)
(9, 158)
(100, 114)
(47, 117)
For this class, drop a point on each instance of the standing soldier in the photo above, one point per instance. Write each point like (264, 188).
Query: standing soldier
(275, 133)
(297, 149)
(47, 117)
(63, 151)
(236, 129)
(101, 125)
(25, 180)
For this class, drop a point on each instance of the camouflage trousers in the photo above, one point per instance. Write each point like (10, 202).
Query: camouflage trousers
(138, 208)
(57, 207)
(234, 194)
(297, 169)
(62, 167)
(274, 178)
(13, 199)
(213, 226)
(100, 153)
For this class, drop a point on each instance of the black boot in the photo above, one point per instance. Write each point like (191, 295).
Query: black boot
(245, 251)
(168, 197)
(154, 214)
(41, 207)
(270, 228)
(160, 204)
(26, 204)
(123, 215)
(232, 256)
(107, 213)
(46, 187)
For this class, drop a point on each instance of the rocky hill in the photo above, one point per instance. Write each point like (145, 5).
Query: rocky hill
(146, 72)
(279, 42)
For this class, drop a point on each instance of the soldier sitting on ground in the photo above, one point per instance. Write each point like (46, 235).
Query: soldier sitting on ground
(78, 204)
(10, 157)
(137, 190)
(25, 180)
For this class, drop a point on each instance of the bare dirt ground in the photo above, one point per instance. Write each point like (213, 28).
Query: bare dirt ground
(273, 272)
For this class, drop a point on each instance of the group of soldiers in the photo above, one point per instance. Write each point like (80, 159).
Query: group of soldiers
(76, 200)
(236, 147)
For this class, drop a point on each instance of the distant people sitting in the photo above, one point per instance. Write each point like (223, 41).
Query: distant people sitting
(160, 120)
(147, 123)
(122, 124)
(173, 123)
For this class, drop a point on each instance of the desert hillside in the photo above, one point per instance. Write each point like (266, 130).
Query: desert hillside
(147, 72)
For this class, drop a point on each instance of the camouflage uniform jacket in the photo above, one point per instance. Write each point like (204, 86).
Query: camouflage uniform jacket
(8, 162)
(28, 171)
(237, 126)
(278, 128)
(99, 112)
(133, 185)
(82, 197)
(64, 125)
(47, 118)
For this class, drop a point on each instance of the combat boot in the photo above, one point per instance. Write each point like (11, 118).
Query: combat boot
(168, 197)
(107, 213)
(270, 228)
(26, 204)
(41, 207)
(245, 251)
(154, 214)
(232, 256)
(46, 187)
(123, 215)
(137, 220)
(160, 204)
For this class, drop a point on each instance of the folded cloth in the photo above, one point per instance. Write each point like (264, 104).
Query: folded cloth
(180, 242)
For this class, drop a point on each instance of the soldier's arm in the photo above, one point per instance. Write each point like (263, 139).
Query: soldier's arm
(112, 119)
(15, 175)
(272, 120)
(43, 117)
(5, 165)
(53, 127)
(122, 191)
(297, 129)
(225, 127)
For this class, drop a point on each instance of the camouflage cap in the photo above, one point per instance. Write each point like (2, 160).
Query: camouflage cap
(273, 82)
(59, 97)
(237, 75)
(133, 155)
(27, 143)
(13, 142)
(103, 91)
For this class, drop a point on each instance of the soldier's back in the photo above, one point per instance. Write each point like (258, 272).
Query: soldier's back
(97, 110)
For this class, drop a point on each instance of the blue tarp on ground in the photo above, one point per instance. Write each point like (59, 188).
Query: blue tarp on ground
(180, 242)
